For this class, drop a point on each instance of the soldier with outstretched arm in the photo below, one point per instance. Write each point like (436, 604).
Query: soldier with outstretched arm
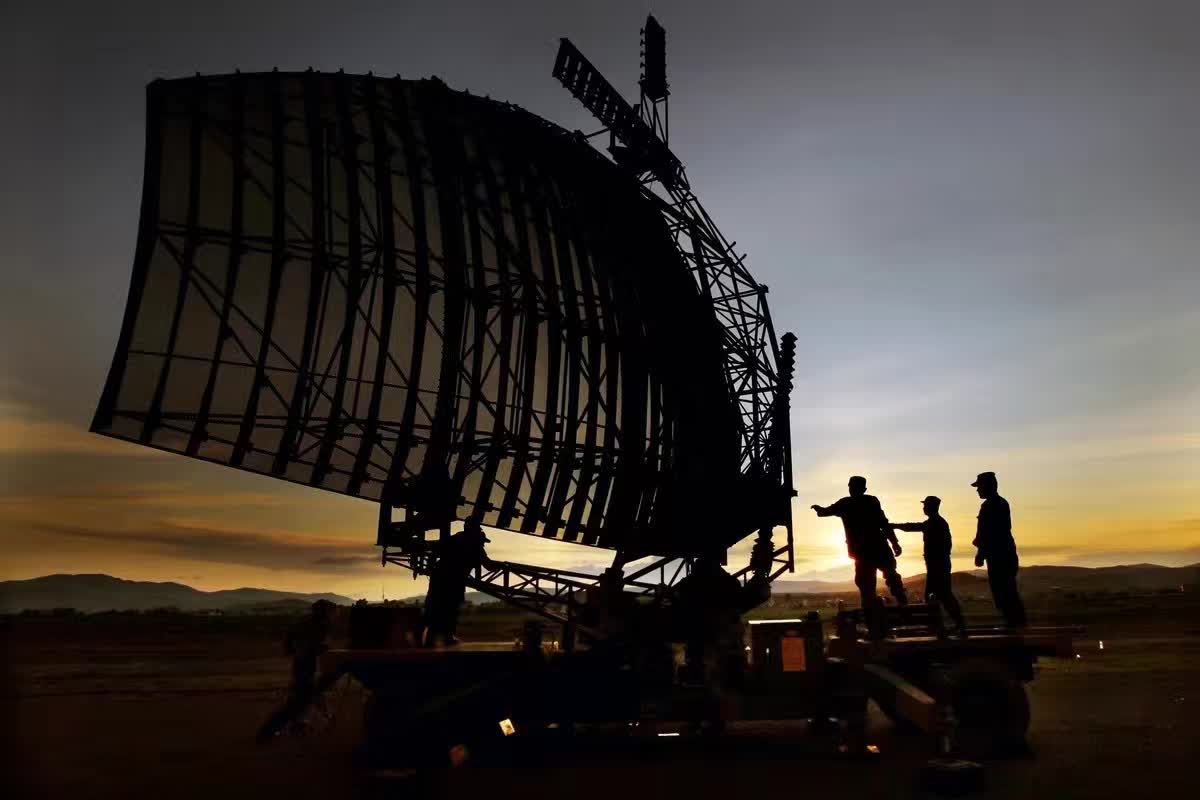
(868, 536)
(996, 546)
(936, 539)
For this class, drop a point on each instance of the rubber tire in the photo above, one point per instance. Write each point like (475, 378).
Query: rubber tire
(991, 706)
(899, 723)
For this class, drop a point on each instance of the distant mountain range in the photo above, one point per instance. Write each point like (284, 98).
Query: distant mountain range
(104, 592)
(1034, 579)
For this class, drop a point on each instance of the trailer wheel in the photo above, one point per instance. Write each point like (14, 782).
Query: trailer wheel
(991, 706)
(378, 737)
(388, 740)
(899, 723)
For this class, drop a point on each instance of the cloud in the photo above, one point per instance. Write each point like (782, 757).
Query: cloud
(1078, 556)
(271, 551)
(172, 496)
(345, 561)
(24, 436)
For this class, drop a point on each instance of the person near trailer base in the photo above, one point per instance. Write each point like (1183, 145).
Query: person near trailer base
(935, 532)
(709, 604)
(996, 547)
(305, 641)
(458, 557)
(870, 542)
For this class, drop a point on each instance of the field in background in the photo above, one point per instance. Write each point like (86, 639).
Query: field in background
(166, 706)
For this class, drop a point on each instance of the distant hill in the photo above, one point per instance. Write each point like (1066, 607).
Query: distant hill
(813, 587)
(1034, 579)
(1131, 577)
(476, 599)
(104, 592)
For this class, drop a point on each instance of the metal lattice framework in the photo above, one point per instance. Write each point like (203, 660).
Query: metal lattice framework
(757, 369)
(452, 307)
(391, 290)
(638, 142)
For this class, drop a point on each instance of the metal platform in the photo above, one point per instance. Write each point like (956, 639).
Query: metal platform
(1056, 642)
(385, 668)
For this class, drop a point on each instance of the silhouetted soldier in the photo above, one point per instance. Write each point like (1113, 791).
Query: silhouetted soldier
(936, 536)
(458, 557)
(709, 606)
(868, 535)
(997, 547)
(304, 642)
(607, 607)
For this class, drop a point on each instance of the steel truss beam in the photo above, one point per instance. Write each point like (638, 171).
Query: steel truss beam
(553, 593)
(550, 593)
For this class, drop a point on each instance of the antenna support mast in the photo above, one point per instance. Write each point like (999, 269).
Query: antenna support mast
(758, 371)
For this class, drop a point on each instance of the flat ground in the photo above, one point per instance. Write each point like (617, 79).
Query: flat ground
(136, 707)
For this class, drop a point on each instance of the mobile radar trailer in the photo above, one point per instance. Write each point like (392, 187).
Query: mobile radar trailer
(453, 308)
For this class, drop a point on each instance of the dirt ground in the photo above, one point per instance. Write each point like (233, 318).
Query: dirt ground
(168, 710)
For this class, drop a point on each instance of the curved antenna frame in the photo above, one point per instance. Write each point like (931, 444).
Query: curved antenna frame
(759, 368)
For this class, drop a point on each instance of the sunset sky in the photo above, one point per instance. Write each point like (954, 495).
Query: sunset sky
(981, 219)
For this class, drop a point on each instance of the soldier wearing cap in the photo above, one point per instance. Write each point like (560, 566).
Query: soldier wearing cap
(868, 536)
(995, 545)
(458, 556)
(936, 536)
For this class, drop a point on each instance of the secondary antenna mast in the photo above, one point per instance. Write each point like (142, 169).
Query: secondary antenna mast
(655, 91)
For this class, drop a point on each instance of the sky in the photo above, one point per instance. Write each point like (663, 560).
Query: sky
(979, 218)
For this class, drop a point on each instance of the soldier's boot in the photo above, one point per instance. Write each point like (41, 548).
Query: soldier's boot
(877, 624)
(896, 586)
(960, 624)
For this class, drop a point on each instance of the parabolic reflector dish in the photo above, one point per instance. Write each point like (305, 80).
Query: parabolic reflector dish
(356, 283)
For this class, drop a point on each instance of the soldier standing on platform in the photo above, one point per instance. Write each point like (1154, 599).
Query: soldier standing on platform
(936, 535)
(996, 547)
(868, 536)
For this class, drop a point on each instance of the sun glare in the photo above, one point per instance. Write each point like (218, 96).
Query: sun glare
(838, 557)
